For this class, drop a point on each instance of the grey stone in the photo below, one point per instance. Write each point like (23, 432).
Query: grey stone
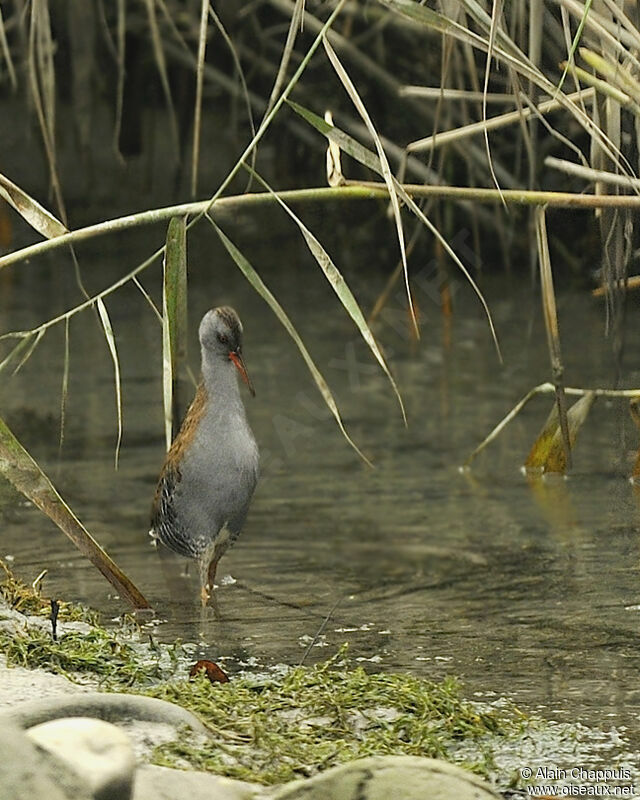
(27, 771)
(11, 616)
(100, 753)
(162, 783)
(19, 685)
(382, 777)
(146, 736)
(113, 707)
(13, 621)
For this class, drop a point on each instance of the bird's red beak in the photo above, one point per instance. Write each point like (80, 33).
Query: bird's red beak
(236, 358)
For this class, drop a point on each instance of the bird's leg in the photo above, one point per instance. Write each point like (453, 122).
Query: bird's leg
(205, 592)
(208, 567)
(211, 572)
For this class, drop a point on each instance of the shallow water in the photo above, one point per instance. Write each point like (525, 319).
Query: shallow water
(524, 588)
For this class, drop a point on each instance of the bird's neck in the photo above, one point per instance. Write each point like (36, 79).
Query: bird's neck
(220, 380)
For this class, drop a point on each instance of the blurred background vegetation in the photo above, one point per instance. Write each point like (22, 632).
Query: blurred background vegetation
(101, 105)
(126, 106)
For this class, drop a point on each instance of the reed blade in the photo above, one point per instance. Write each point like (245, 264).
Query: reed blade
(174, 323)
(258, 284)
(111, 343)
(163, 73)
(385, 169)
(20, 469)
(340, 287)
(30, 210)
(370, 160)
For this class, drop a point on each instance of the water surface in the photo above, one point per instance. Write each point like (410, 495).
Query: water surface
(523, 588)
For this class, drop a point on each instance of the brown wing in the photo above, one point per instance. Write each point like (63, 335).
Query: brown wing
(165, 521)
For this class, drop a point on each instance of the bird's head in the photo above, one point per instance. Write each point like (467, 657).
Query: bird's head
(221, 338)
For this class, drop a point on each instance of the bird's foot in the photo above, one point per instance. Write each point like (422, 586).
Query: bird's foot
(205, 594)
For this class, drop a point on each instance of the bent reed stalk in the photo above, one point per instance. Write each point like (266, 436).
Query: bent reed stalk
(354, 190)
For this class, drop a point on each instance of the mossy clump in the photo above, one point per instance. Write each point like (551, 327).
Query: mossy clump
(116, 658)
(28, 599)
(321, 716)
(97, 653)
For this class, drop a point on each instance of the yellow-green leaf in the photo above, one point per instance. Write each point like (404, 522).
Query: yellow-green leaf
(537, 458)
(548, 452)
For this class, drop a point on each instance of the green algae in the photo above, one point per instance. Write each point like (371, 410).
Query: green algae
(320, 716)
(97, 653)
(276, 728)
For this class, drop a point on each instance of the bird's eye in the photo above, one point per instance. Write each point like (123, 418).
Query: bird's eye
(223, 339)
